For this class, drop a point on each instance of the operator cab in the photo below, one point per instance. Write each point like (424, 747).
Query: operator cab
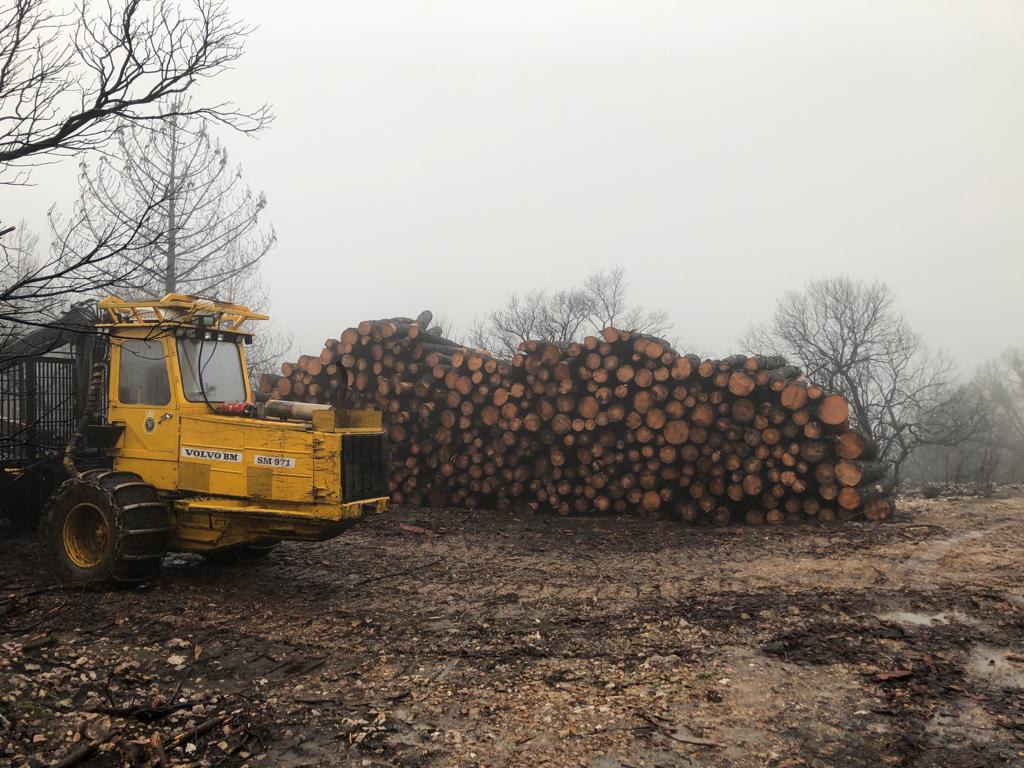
(171, 359)
(205, 337)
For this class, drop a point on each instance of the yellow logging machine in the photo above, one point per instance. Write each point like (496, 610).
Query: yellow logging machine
(183, 457)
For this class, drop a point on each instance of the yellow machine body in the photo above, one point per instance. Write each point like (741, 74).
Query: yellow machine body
(228, 479)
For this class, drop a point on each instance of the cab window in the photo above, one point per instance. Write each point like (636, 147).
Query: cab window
(211, 370)
(142, 378)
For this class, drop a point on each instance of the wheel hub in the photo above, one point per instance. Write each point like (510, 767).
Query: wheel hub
(85, 535)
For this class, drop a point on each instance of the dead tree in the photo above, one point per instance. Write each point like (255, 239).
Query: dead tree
(19, 253)
(205, 223)
(850, 337)
(1002, 382)
(565, 316)
(606, 292)
(19, 258)
(1004, 379)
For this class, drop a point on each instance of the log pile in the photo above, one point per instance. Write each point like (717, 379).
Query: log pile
(614, 424)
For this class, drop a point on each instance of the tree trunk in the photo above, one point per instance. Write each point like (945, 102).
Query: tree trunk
(171, 262)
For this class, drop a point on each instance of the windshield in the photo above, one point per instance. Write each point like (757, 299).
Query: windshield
(221, 368)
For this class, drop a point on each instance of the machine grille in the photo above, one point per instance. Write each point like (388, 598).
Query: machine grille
(364, 470)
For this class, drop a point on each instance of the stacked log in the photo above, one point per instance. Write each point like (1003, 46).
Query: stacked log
(616, 423)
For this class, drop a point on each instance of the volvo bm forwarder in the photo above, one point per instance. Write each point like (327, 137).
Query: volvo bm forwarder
(169, 450)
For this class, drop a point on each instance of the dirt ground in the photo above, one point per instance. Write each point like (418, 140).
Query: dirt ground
(435, 638)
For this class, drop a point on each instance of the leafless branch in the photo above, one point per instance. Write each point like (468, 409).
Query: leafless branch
(70, 78)
(566, 315)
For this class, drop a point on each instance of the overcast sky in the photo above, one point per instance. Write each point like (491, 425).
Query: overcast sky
(442, 154)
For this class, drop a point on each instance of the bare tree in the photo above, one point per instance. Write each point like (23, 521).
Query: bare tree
(564, 316)
(20, 253)
(502, 330)
(69, 78)
(1003, 379)
(205, 224)
(567, 315)
(19, 258)
(850, 337)
(987, 456)
(1002, 383)
(606, 292)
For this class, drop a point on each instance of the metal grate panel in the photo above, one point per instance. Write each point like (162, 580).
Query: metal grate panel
(39, 407)
(364, 466)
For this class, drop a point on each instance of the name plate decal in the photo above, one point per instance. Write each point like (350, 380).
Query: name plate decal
(277, 462)
(212, 454)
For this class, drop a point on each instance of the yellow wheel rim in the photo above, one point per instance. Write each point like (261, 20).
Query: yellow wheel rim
(85, 535)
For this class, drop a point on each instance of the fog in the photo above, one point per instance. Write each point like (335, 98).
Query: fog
(441, 155)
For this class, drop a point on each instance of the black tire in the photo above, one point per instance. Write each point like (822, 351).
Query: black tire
(104, 526)
(242, 554)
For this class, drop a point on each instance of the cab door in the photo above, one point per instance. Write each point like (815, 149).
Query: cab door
(143, 400)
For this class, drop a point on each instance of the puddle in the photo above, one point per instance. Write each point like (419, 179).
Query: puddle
(927, 619)
(990, 663)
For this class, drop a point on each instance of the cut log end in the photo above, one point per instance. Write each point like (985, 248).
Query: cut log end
(834, 410)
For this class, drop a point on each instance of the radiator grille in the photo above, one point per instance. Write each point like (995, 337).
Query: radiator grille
(364, 467)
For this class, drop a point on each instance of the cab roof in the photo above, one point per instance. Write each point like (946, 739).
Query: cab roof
(174, 310)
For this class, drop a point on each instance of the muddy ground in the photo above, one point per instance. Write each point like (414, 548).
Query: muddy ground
(435, 638)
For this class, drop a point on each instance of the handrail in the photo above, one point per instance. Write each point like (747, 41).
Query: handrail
(176, 308)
